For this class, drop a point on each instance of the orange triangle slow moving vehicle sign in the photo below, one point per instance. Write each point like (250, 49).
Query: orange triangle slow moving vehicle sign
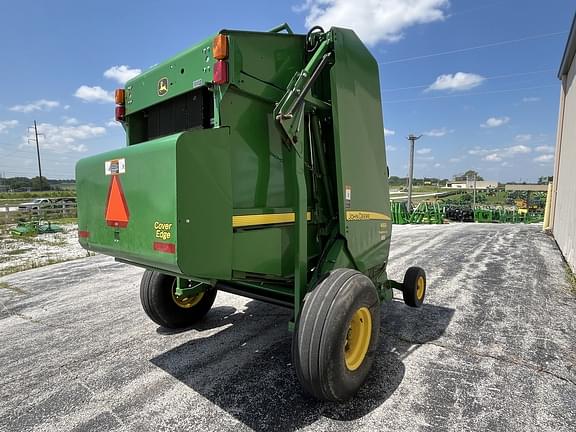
(117, 214)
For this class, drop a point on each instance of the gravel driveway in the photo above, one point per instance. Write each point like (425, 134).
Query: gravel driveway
(493, 349)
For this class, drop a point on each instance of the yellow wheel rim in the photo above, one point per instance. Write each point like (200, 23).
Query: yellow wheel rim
(186, 302)
(358, 338)
(420, 285)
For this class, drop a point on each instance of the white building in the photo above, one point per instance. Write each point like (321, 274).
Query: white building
(563, 209)
(469, 184)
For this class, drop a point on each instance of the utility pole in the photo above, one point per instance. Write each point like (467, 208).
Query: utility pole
(36, 134)
(474, 202)
(411, 138)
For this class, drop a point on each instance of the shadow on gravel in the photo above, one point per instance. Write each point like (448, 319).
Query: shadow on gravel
(218, 316)
(261, 389)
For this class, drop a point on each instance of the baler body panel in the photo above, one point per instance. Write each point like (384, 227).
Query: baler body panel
(363, 195)
(178, 193)
(187, 70)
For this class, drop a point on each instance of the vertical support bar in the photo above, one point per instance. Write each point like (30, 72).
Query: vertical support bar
(546, 224)
(321, 161)
(297, 168)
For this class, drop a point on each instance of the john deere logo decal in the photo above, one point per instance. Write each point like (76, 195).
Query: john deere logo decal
(162, 86)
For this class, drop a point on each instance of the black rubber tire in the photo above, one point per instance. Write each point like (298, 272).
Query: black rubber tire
(157, 302)
(320, 335)
(410, 287)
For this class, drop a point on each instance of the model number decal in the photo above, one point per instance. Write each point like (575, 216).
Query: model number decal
(163, 230)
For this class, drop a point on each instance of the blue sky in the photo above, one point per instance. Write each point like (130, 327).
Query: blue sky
(493, 109)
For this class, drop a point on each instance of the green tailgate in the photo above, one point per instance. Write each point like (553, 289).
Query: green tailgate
(177, 190)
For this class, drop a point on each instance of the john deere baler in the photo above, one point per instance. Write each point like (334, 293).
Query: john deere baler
(255, 164)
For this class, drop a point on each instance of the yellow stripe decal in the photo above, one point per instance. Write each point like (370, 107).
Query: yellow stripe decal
(365, 215)
(265, 219)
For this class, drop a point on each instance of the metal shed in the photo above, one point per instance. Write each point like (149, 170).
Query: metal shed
(564, 187)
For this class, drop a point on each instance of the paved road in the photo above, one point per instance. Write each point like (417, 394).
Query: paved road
(494, 349)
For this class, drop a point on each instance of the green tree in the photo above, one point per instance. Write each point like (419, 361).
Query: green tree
(40, 184)
(468, 175)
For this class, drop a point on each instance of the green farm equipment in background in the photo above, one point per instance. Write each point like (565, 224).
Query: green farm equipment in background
(507, 215)
(424, 213)
(427, 213)
(33, 228)
(256, 165)
(400, 213)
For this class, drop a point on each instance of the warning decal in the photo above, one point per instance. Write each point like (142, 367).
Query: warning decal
(116, 166)
(117, 214)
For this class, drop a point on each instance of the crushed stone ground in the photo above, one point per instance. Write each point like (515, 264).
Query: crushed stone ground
(493, 348)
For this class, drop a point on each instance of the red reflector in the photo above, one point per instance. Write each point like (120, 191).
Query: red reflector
(83, 234)
(220, 72)
(165, 247)
(120, 113)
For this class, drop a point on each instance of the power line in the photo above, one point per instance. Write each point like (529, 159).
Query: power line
(510, 75)
(472, 48)
(29, 174)
(469, 94)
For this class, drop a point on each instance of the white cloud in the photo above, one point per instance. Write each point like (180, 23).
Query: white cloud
(459, 81)
(438, 132)
(94, 94)
(506, 164)
(389, 132)
(39, 105)
(497, 155)
(65, 138)
(454, 160)
(493, 122)
(530, 99)
(112, 123)
(523, 137)
(373, 20)
(480, 151)
(545, 149)
(493, 157)
(122, 73)
(518, 149)
(437, 165)
(70, 120)
(424, 151)
(546, 158)
(7, 124)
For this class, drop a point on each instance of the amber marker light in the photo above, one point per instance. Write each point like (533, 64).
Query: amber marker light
(220, 47)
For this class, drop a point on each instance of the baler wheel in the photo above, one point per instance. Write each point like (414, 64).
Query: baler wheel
(168, 310)
(336, 335)
(414, 286)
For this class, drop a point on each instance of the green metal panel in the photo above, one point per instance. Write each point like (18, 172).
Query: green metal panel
(204, 203)
(178, 191)
(190, 69)
(360, 155)
(270, 58)
(148, 186)
(257, 153)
